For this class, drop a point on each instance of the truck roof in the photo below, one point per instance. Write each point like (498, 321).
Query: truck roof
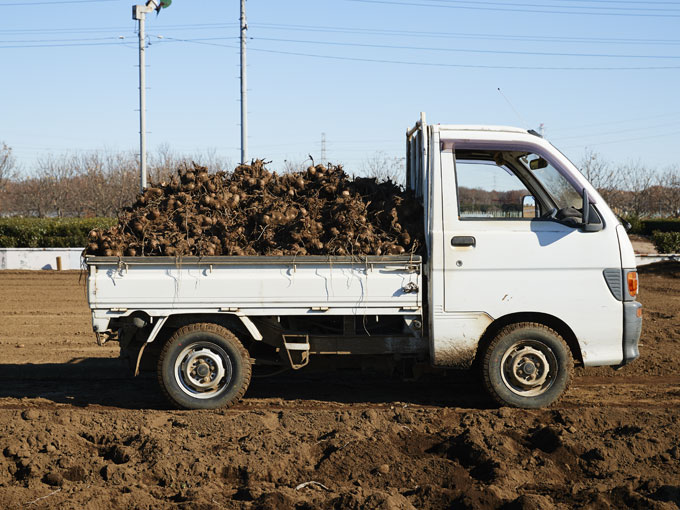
(479, 127)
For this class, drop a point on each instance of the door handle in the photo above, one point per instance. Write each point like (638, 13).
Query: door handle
(463, 241)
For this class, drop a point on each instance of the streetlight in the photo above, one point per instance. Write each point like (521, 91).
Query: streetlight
(139, 13)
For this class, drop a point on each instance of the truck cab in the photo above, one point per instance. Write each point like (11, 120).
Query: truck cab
(529, 270)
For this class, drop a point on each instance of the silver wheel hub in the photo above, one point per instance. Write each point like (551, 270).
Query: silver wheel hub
(529, 368)
(203, 370)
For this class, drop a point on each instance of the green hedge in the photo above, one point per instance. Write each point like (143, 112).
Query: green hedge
(648, 226)
(666, 242)
(49, 232)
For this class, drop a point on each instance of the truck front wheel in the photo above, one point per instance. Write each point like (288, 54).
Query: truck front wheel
(527, 365)
(203, 366)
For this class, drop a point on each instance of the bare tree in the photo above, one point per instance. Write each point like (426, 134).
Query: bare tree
(8, 169)
(384, 167)
(47, 191)
(668, 196)
(212, 161)
(123, 174)
(105, 182)
(32, 198)
(604, 177)
(94, 184)
(55, 175)
(636, 184)
(599, 173)
(165, 162)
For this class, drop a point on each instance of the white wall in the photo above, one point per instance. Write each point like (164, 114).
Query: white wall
(39, 258)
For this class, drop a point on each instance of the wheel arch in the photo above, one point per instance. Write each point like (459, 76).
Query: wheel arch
(561, 327)
(149, 351)
(231, 321)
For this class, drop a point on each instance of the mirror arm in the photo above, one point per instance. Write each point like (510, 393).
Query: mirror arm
(587, 226)
(586, 207)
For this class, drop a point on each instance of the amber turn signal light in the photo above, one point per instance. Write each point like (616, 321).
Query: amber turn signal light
(633, 283)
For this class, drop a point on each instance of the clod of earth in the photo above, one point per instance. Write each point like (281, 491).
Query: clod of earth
(251, 211)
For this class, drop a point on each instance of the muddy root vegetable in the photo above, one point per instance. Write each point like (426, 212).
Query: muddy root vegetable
(252, 211)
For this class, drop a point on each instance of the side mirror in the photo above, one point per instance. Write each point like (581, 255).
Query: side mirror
(529, 207)
(587, 226)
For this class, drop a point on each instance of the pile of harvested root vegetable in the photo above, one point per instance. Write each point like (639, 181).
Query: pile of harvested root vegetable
(251, 211)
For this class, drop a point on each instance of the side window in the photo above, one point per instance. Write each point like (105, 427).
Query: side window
(489, 190)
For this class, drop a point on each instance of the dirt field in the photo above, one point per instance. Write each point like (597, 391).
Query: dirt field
(75, 432)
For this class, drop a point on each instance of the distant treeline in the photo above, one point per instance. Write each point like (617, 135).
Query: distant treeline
(100, 184)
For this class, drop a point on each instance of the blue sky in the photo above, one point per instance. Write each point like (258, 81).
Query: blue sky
(602, 74)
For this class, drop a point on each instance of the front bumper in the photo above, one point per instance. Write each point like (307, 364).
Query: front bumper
(632, 327)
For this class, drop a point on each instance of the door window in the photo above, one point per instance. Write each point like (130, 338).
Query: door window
(489, 189)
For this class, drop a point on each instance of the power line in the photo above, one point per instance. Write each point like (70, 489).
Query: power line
(121, 43)
(616, 122)
(433, 64)
(625, 2)
(464, 35)
(662, 135)
(629, 130)
(84, 30)
(57, 2)
(502, 9)
(463, 50)
(205, 41)
(468, 66)
(511, 4)
(59, 40)
(367, 31)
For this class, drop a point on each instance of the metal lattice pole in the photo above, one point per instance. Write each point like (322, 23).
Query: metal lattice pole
(142, 104)
(244, 91)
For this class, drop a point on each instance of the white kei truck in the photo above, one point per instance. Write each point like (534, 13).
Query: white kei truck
(526, 272)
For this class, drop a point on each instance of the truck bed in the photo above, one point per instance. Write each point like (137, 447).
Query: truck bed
(381, 285)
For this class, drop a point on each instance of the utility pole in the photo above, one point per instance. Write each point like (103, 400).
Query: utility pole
(323, 148)
(244, 91)
(139, 13)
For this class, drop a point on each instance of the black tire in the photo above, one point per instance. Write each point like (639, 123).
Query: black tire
(203, 366)
(527, 365)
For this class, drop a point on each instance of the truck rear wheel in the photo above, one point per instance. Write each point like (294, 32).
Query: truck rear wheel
(527, 365)
(203, 366)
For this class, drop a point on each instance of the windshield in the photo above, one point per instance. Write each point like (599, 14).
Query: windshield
(559, 189)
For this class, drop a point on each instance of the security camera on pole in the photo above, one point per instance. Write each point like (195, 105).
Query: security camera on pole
(139, 13)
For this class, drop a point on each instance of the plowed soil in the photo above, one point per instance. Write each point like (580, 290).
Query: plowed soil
(76, 432)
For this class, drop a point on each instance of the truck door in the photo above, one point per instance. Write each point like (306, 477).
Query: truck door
(504, 257)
